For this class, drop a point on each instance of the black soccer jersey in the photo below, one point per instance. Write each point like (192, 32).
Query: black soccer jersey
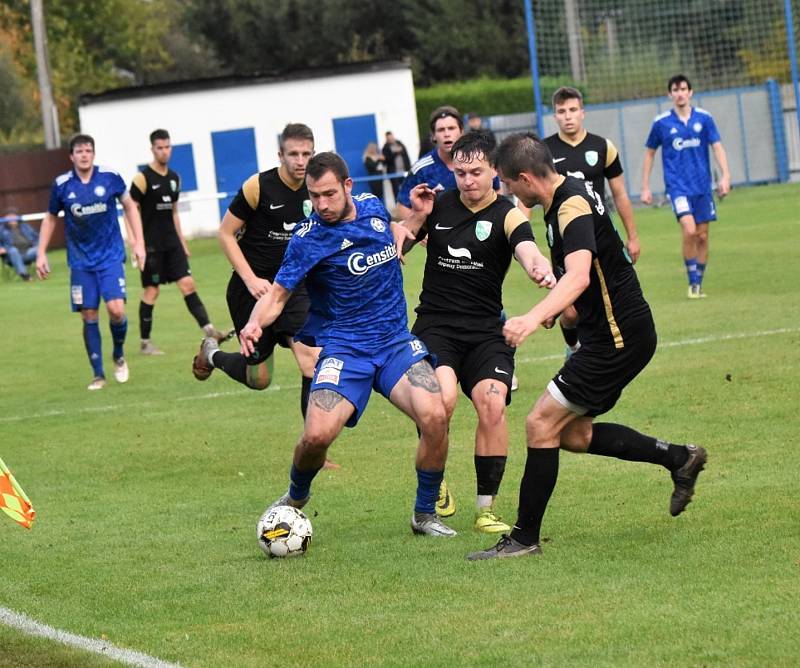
(577, 220)
(593, 158)
(157, 195)
(271, 210)
(469, 251)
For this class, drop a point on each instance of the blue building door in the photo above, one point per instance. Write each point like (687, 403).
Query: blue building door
(234, 161)
(352, 134)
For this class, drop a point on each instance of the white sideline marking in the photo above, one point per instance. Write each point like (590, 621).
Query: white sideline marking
(689, 342)
(278, 388)
(127, 656)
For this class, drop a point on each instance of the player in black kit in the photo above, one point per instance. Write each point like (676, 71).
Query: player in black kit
(254, 234)
(156, 189)
(592, 158)
(617, 334)
(472, 236)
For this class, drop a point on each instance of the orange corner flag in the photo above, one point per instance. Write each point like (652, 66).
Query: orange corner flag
(13, 500)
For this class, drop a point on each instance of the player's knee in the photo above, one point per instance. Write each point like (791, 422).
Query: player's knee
(258, 377)
(491, 411)
(433, 420)
(116, 312)
(576, 436)
(537, 429)
(187, 285)
(316, 439)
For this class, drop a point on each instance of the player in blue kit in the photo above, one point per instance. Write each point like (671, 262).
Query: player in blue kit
(345, 251)
(684, 134)
(88, 197)
(435, 167)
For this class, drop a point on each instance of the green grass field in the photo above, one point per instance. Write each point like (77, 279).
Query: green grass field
(147, 494)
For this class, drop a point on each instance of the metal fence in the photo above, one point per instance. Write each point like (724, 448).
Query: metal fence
(757, 124)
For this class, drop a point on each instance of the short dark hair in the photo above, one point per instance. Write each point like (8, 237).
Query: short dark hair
(445, 111)
(327, 161)
(524, 152)
(566, 93)
(476, 143)
(297, 131)
(677, 80)
(158, 134)
(80, 139)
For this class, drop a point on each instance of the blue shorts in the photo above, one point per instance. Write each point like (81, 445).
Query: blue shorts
(86, 286)
(700, 207)
(354, 374)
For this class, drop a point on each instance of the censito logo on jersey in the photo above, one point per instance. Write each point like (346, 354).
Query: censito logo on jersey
(679, 144)
(80, 211)
(359, 264)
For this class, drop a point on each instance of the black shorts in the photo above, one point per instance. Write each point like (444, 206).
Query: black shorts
(592, 379)
(164, 266)
(293, 317)
(474, 353)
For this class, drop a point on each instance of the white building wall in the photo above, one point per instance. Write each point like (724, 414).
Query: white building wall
(121, 127)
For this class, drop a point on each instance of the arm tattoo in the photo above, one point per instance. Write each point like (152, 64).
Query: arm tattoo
(421, 374)
(327, 400)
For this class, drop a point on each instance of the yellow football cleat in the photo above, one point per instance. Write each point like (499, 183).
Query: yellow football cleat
(486, 521)
(445, 504)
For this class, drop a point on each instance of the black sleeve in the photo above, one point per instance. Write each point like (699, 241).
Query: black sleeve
(239, 206)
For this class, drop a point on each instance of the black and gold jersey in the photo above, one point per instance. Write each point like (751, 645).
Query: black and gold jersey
(591, 158)
(157, 195)
(469, 251)
(271, 210)
(578, 220)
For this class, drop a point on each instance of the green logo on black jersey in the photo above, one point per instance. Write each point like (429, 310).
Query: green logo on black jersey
(591, 158)
(307, 208)
(483, 228)
(550, 236)
(173, 184)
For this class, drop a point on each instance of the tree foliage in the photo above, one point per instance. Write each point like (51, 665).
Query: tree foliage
(95, 45)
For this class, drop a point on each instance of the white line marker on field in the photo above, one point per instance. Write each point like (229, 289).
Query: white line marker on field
(687, 342)
(278, 388)
(127, 656)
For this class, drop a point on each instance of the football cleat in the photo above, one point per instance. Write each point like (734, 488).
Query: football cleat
(486, 521)
(429, 524)
(506, 547)
(98, 383)
(287, 500)
(218, 334)
(445, 504)
(147, 348)
(694, 292)
(685, 479)
(514, 383)
(201, 366)
(121, 373)
(569, 351)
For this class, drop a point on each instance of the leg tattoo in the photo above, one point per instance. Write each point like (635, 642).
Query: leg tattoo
(327, 400)
(421, 374)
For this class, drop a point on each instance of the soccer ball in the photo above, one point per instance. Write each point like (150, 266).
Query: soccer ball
(283, 531)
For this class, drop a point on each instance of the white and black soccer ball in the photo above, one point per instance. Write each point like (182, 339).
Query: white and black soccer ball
(283, 531)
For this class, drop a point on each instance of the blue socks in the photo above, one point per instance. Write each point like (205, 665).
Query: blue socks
(91, 338)
(691, 270)
(428, 483)
(300, 486)
(701, 270)
(118, 332)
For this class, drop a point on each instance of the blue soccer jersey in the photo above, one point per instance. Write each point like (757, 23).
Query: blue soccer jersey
(91, 224)
(353, 278)
(684, 150)
(431, 170)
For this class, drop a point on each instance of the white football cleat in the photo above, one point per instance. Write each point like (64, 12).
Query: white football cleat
(121, 373)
